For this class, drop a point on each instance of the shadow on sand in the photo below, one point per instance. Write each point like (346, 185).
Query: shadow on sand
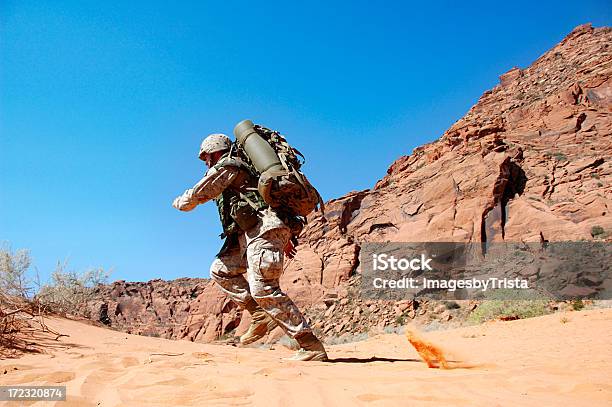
(35, 341)
(452, 364)
(370, 360)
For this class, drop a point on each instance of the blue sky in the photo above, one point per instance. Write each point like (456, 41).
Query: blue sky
(103, 106)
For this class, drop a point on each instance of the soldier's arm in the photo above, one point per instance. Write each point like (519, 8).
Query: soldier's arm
(211, 186)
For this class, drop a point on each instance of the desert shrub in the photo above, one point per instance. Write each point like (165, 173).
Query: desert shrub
(22, 314)
(13, 272)
(510, 304)
(598, 231)
(577, 305)
(14, 291)
(69, 291)
(18, 316)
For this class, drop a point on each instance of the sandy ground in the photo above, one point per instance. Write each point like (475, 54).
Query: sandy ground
(560, 359)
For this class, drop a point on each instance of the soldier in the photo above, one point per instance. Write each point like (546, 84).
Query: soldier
(256, 240)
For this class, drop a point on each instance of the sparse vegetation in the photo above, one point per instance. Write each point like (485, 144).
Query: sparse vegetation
(510, 304)
(598, 232)
(20, 317)
(577, 305)
(13, 268)
(70, 290)
(22, 312)
(14, 290)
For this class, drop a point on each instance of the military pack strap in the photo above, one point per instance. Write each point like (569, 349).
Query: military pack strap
(250, 202)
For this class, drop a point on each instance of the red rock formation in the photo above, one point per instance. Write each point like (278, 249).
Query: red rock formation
(530, 160)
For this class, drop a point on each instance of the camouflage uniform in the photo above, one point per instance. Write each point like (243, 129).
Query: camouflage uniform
(258, 252)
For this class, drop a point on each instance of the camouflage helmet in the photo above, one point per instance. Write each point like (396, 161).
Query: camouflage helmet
(214, 142)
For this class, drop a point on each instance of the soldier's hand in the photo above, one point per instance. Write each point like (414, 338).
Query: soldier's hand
(176, 203)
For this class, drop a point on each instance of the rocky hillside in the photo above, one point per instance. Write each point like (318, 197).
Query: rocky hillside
(530, 161)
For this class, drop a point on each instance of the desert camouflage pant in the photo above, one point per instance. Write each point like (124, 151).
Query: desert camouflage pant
(262, 261)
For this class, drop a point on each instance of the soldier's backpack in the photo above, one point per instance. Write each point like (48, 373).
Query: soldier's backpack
(286, 189)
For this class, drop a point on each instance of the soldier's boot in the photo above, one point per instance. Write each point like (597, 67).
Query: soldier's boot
(261, 324)
(311, 348)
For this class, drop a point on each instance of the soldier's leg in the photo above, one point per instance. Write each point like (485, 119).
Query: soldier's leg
(265, 265)
(264, 268)
(227, 270)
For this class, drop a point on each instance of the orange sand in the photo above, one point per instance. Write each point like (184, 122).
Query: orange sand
(431, 354)
(560, 359)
